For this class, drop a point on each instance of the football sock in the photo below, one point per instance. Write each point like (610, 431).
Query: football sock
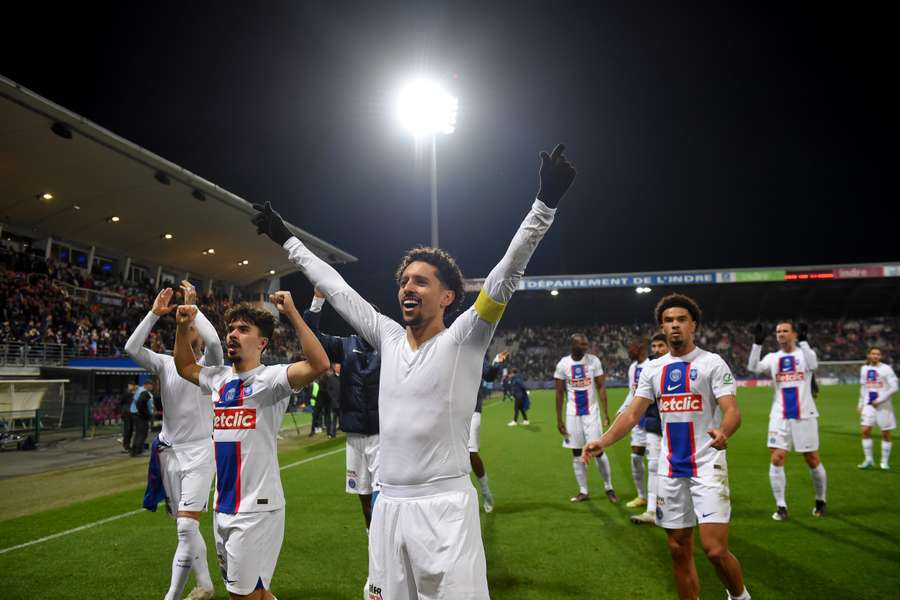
(885, 452)
(820, 481)
(867, 445)
(580, 474)
(779, 483)
(603, 467)
(637, 473)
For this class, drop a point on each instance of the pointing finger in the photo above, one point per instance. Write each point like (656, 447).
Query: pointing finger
(557, 152)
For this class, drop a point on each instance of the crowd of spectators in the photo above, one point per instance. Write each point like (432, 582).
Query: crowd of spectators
(536, 350)
(43, 302)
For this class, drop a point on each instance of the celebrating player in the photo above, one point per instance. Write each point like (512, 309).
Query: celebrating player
(579, 376)
(793, 420)
(250, 400)
(695, 392)
(425, 540)
(877, 383)
(184, 447)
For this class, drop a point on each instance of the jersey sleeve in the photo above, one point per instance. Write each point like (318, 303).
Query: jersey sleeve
(277, 376)
(891, 380)
(722, 380)
(212, 347)
(560, 372)
(754, 364)
(598, 367)
(482, 318)
(362, 316)
(142, 355)
(812, 361)
(645, 387)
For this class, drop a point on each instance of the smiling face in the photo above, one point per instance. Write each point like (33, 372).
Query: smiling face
(422, 296)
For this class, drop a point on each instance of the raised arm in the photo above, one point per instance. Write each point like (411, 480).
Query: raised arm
(185, 363)
(556, 175)
(213, 355)
(345, 300)
(802, 336)
(135, 348)
(302, 372)
(754, 364)
(333, 345)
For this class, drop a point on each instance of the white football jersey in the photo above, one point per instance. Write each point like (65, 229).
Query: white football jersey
(634, 375)
(579, 377)
(791, 374)
(686, 389)
(876, 382)
(249, 408)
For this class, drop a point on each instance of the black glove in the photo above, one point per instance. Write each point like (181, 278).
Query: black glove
(269, 222)
(802, 332)
(759, 334)
(557, 174)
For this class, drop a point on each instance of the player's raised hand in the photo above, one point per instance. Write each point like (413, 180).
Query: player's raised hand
(501, 357)
(283, 302)
(802, 332)
(759, 334)
(557, 174)
(719, 439)
(591, 449)
(161, 305)
(270, 223)
(185, 314)
(189, 292)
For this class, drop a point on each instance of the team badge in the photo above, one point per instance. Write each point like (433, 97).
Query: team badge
(229, 395)
(351, 483)
(693, 374)
(675, 375)
(659, 514)
(248, 389)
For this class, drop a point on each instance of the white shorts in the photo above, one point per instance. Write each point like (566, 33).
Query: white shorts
(581, 429)
(683, 502)
(247, 545)
(878, 416)
(475, 432)
(362, 463)
(799, 435)
(638, 437)
(427, 547)
(187, 475)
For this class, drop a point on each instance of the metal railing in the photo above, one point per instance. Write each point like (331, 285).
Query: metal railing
(22, 354)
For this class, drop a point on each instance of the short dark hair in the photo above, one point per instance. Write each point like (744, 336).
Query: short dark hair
(870, 348)
(788, 321)
(448, 272)
(578, 335)
(678, 301)
(248, 313)
(659, 337)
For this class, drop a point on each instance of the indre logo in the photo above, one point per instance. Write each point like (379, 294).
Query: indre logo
(788, 377)
(681, 403)
(235, 418)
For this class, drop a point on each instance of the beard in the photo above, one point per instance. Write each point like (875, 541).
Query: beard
(413, 322)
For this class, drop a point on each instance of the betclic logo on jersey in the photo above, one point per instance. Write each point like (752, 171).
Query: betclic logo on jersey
(789, 377)
(681, 403)
(240, 417)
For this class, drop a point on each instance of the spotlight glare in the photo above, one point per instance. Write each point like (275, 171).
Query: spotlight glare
(114, 219)
(167, 236)
(424, 108)
(642, 290)
(245, 262)
(210, 251)
(271, 271)
(47, 196)
(554, 292)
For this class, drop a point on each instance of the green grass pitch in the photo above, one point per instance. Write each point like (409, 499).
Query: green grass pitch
(538, 545)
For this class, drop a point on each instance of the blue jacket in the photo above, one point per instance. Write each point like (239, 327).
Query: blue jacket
(651, 421)
(360, 375)
(517, 386)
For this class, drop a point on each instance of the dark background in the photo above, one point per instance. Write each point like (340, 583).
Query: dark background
(706, 135)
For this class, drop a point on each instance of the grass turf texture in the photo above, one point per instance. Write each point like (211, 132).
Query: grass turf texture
(538, 544)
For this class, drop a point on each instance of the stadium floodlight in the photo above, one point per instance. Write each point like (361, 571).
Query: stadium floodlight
(425, 109)
(47, 196)
(167, 236)
(554, 292)
(643, 290)
(114, 219)
(271, 271)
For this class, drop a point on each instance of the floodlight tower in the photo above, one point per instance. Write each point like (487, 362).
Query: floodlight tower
(426, 110)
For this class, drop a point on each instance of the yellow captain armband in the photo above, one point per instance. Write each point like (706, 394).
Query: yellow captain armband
(487, 308)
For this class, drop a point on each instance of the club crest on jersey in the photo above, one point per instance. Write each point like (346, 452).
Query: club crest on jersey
(580, 377)
(787, 364)
(872, 378)
(693, 374)
(675, 375)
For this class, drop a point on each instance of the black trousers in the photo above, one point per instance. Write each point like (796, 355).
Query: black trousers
(141, 427)
(127, 428)
(520, 407)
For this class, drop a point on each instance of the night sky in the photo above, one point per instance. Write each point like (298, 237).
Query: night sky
(705, 135)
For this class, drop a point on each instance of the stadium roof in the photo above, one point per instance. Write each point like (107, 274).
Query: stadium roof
(94, 174)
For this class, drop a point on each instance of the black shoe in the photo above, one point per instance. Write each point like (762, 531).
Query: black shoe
(611, 494)
(819, 510)
(780, 514)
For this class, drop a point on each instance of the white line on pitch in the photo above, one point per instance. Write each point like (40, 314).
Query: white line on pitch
(140, 510)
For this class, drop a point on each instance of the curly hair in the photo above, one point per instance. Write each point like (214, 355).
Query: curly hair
(248, 313)
(678, 301)
(448, 272)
